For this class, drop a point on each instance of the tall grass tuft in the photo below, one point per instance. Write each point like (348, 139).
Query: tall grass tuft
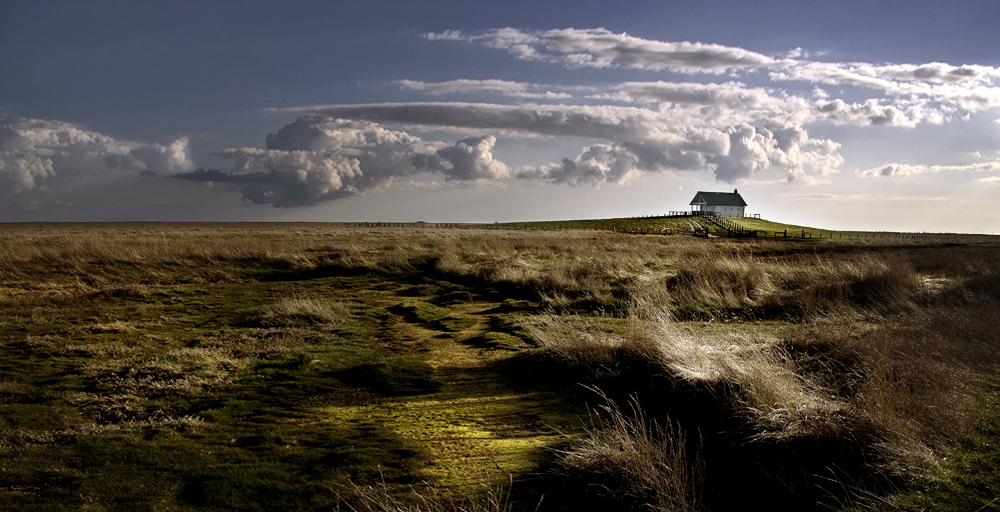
(302, 310)
(378, 498)
(637, 460)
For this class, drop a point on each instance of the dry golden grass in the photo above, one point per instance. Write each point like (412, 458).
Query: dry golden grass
(294, 310)
(647, 460)
(427, 499)
(888, 348)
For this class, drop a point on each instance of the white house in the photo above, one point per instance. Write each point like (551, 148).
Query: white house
(723, 204)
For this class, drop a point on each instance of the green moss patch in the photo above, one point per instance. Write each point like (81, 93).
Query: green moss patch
(420, 312)
(456, 323)
(498, 341)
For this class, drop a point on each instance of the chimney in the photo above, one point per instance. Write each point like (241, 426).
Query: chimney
(736, 191)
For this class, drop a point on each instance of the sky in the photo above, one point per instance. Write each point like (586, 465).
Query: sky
(860, 115)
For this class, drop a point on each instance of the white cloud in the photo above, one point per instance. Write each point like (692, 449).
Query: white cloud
(932, 92)
(465, 86)
(903, 170)
(601, 48)
(906, 94)
(636, 140)
(730, 94)
(35, 153)
(788, 148)
(468, 160)
(601, 122)
(318, 158)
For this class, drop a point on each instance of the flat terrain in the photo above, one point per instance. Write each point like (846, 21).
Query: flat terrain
(327, 367)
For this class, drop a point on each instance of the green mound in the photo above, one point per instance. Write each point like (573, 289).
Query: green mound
(498, 341)
(456, 323)
(420, 312)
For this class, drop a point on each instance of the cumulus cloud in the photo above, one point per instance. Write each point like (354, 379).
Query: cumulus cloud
(617, 163)
(319, 158)
(36, 153)
(735, 154)
(790, 149)
(467, 160)
(601, 48)
(869, 112)
(634, 140)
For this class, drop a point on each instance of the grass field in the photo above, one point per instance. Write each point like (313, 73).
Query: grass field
(520, 367)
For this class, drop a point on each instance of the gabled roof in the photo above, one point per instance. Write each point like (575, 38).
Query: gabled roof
(719, 198)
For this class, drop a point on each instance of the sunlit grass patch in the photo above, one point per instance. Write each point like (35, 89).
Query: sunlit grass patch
(456, 322)
(499, 341)
(420, 311)
(303, 311)
(462, 451)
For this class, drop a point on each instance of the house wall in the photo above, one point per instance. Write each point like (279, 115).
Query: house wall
(726, 211)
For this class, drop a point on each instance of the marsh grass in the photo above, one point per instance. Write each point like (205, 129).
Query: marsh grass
(636, 459)
(187, 360)
(302, 310)
(380, 498)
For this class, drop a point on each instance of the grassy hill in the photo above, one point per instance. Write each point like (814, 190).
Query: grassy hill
(685, 225)
(664, 225)
(674, 225)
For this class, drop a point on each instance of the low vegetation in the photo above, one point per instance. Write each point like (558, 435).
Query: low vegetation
(317, 367)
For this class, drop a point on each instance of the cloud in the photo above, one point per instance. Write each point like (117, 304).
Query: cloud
(634, 140)
(35, 154)
(616, 163)
(735, 154)
(904, 94)
(601, 122)
(870, 112)
(932, 92)
(731, 95)
(465, 86)
(318, 158)
(904, 170)
(601, 48)
(468, 160)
